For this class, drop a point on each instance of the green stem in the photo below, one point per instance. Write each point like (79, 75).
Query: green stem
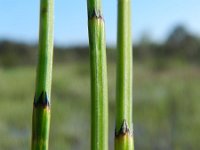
(99, 98)
(41, 108)
(124, 127)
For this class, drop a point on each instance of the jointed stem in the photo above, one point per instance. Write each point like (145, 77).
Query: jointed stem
(124, 129)
(99, 113)
(44, 68)
(41, 108)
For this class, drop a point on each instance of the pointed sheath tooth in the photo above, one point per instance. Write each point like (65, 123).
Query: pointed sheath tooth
(124, 130)
(42, 101)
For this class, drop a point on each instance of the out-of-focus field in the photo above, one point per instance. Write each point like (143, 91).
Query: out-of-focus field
(166, 107)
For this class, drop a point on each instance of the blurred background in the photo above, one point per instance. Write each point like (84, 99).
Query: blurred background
(166, 52)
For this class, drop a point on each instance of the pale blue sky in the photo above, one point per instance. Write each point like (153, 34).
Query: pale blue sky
(19, 19)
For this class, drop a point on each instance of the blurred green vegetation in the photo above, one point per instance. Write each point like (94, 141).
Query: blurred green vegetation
(166, 107)
(166, 94)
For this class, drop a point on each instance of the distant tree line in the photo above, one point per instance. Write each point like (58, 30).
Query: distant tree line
(181, 44)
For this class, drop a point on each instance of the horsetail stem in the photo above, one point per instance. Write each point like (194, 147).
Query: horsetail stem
(124, 127)
(41, 107)
(99, 98)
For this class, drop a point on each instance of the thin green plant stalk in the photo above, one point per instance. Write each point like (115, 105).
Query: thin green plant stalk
(99, 95)
(41, 107)
(124, 125)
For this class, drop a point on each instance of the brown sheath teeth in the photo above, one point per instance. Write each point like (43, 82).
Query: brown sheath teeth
(42, 101)
(124, 130)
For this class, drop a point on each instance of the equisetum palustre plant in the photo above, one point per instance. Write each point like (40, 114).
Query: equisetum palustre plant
(41, 106)
(99, 92)
(98, 70)
(124, 125)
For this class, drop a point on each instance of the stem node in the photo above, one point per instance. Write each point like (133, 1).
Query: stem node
(42, 101)
(95, 14)
(124, 130)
